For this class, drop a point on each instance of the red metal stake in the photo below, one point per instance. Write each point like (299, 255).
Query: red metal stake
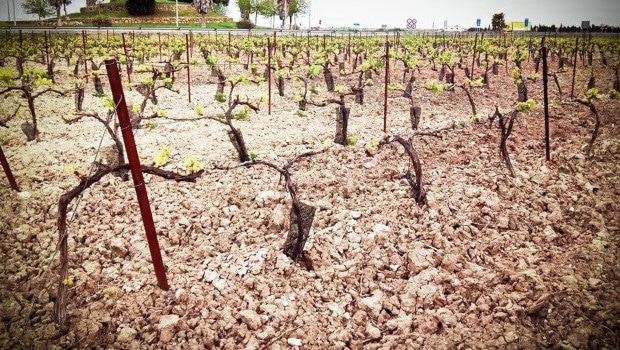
(136, 171)
(7, 171)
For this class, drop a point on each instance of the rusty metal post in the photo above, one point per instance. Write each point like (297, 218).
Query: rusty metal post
(136, 171)
(387, 81)
(7, 171)
(189, 78)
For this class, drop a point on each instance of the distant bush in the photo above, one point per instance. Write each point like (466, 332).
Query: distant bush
(140, 7)
(102, 21)
(245, 24)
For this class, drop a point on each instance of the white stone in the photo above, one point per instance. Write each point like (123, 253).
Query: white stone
(126, 334)
(210, 276)
(24, 195)
(373, 304)
(219, 284)
(251, 319)
(356, 214)
(168, 321)
(294, 341)
(372, 332)
(380, 228)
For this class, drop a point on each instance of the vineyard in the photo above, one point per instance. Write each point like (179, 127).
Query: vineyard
(339, 191)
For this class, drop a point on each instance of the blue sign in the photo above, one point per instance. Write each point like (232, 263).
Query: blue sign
(356, 24)
(527, 22)
(478, 22)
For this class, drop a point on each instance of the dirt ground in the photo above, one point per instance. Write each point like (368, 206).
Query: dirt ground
(491, 261)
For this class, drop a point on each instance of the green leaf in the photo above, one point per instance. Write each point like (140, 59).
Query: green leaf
(192, 165)
(162, 156)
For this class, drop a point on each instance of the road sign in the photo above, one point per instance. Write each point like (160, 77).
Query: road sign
(527, 22)
(478, 21)
(356, 24)
(411, 23)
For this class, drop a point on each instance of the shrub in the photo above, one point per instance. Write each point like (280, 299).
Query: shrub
(102, 21)
(140, 7)
(245, 24)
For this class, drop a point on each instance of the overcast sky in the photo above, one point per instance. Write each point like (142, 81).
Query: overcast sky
(394, 13)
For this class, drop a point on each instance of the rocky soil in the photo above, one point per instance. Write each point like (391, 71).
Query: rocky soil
(490, 261)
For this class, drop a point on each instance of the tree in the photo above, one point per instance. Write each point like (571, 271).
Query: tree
(283, 10)
(498, 22)
(295, 8)
(41, 8)
(58, 5)
(246, 7)
(140, 7)
(64, 6)
(267, 8)
(203, 7)
(291, 8)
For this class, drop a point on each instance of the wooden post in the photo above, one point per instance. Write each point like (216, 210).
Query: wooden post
(387, 81)
(84, 49)
(136, 171)
(7, 171)
(473, 60)
(127, 59)
(47, 48)
(159, 42)
(572, 86)
(546, 102)
(189, 85)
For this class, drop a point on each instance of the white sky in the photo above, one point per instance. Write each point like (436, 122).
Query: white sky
(394, 13)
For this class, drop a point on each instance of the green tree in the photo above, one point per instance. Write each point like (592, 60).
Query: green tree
(267, 8)
(203, 7)
(140, 7)
(296, 8)
(41, 8)
(498, 22)
(246, 7)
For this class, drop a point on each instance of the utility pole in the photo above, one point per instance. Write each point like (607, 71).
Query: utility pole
(14, 18)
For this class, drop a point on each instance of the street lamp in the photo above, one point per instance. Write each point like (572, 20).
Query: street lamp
(14, 18)
(177, 11)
